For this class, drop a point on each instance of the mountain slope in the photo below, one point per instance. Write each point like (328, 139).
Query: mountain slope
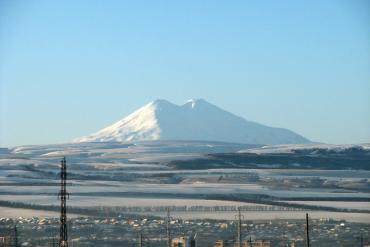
(195, 120)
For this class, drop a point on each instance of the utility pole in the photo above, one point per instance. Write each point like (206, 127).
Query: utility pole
(239, 228)
(194, 240)
(168, 228)
(362, 240)
(307, 232)
(140, 239)
(15, 236)
(63, 195)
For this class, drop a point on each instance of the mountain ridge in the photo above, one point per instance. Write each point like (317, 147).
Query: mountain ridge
(196, 119)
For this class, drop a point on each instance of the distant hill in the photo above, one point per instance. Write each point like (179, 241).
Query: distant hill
(194, 120)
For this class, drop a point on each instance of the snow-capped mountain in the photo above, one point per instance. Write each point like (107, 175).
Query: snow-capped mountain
(194, 120)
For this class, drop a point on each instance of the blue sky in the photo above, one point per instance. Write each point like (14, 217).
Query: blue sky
(69, 68)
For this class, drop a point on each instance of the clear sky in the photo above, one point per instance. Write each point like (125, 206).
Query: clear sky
(69, 68)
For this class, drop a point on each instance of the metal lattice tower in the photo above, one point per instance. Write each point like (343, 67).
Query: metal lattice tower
(168, 228)
(239, 217)
(63, 195)
(307, 232)
(140, 239)
(15, 236)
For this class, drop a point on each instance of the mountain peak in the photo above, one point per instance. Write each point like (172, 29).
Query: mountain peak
(196, 101)
(195, 120)
(161, 102)
(193, 103)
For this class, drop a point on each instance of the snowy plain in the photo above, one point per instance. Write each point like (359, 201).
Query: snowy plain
(131, 173)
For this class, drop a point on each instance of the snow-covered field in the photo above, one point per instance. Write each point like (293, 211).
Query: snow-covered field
(289, 148)
(6, 212)
(96, 201)
(127, 174)
(196, 188)
(337, 204)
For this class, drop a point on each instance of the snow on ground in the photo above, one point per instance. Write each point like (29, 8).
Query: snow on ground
(336, 204)
(6, 212)
(289, 148)
(175, 189)
(163, 120)
(94, 201)
(31, 165)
